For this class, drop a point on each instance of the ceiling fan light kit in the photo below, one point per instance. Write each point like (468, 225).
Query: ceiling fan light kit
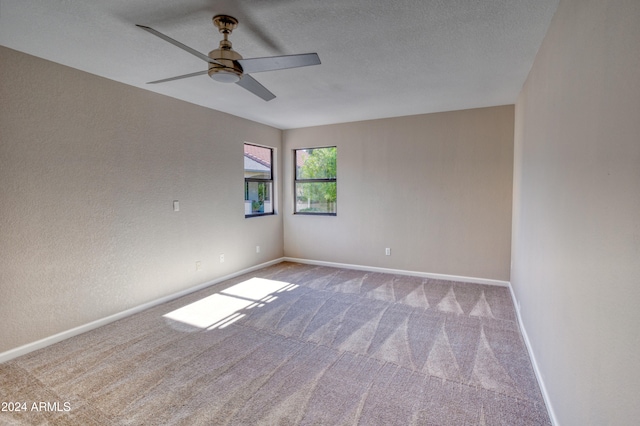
(227, 66)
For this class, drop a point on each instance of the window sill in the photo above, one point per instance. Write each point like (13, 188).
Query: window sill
(314, 214)
(259, 215)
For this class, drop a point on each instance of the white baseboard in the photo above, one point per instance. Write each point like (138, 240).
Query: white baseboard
(401, 272)
(30, 347)
(543, 389)
(39, 344)
(50, 340)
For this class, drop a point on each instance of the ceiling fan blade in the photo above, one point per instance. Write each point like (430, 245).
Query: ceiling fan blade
(273, 63)
(252, 85)
(178, 44)
(193, 74)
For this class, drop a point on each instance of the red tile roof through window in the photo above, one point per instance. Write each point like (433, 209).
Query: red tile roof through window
(258, 153)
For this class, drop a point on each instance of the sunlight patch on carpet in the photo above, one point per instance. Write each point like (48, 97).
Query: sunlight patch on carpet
(224, 308)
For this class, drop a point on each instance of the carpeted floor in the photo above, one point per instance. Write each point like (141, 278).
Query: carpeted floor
(291, 344)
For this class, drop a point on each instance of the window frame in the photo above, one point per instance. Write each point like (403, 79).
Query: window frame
(247, 180)
(296, 181)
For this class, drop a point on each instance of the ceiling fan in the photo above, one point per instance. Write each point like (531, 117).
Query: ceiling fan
(227, 66)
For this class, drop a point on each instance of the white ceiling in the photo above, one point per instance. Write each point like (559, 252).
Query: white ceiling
(380, 58)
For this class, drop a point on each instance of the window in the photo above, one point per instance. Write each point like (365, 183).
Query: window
(315, 181)
(258, 180)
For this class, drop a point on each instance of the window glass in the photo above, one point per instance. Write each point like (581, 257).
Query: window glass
(258, 180)
(316, 181)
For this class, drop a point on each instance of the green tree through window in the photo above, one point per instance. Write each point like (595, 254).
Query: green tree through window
(315, 183)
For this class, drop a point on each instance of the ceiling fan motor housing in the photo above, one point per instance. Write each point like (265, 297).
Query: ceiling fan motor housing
(229, 71)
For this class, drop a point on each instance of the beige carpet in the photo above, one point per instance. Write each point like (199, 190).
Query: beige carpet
(292, 344)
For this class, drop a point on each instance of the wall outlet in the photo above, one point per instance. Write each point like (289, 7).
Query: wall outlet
(387, 251)
(198, 265)
(222, 258)
(257, 249)
(176, 206)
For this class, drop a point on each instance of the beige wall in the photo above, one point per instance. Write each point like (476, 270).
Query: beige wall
(576, 227)
(434, 188)
(89, 169)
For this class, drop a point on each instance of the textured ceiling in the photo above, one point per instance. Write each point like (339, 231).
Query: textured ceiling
(380, 58)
